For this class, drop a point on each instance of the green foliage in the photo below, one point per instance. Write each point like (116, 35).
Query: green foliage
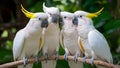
(5, 55)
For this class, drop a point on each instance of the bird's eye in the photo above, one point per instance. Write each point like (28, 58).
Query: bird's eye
(65, 17)
(80, 16)
(39, 18)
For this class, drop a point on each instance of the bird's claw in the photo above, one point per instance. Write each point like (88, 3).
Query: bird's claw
(66, 56)
(75, 58)
(91, 61)
(25, 61)
(84, 59)
(46, 57)
(56, 55)
(37, 59)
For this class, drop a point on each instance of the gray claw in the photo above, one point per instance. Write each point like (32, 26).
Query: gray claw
(91, 61)
(25, 61)
(75, 58)
(46, 57)
(37, 59)
(56, 55)
(66, 56)
(84, 59)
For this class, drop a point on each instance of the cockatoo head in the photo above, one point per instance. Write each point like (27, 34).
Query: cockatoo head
(66, 19)
(84, 18)
(37, 20)
(53, 13)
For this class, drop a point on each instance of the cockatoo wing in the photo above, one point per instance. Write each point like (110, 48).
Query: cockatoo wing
(99, 46)
(42, 40)
(62, 39)
(81, 45)
(18, 44)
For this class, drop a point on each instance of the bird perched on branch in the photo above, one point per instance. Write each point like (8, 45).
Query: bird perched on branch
(26, 42)
(51, 45)
(92, 43)
(68, 39)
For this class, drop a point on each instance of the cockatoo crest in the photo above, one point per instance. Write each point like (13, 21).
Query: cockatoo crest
(89, 15)
(53, 13)
(84, 17)
(28, 14)
(50, 10)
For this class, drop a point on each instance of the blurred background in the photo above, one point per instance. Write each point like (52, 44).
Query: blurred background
(12, 20)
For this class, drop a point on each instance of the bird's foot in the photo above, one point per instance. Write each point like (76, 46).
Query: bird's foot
(25, 61)
(84, 59)
(91, 61)
(37, 59)
(46, 57)
(66, 56)
(56, 55)
(75, 57)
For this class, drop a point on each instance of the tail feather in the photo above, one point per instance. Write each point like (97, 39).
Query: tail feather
(72, 64)
(49, 64)
(27, 66)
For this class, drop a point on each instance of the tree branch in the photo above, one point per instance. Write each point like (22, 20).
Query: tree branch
(33, 60)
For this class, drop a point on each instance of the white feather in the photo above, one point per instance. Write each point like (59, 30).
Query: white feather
(69, 39)
(99, 45)
(18, 44)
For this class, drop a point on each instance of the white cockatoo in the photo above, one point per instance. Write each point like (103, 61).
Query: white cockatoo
(26, 42)
(92, 43)
(51, 45)
(69, 39)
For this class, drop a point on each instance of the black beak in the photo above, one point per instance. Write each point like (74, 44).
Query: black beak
(75, 20)
(55, 18)
(44, 23)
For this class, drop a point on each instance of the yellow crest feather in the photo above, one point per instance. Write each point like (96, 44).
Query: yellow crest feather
(91, 15)
(27, 14)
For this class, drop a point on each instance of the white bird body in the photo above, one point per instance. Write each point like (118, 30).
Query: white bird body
(51, 36)
(69, 38)
(93, 42)
(51, 45)
(24, 46)
(25, 36)
(26, 42)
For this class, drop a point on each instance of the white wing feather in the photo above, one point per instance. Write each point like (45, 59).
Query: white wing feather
(99, 46)
(18, 44)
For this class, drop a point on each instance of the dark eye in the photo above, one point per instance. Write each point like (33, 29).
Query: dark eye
(80, 16)
(39, 18)
(65, 17)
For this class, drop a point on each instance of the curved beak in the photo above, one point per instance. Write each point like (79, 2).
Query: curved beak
(44, 23)
(55, 18)
(75, 20)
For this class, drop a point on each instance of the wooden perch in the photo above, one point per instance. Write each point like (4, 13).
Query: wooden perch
(33, 60)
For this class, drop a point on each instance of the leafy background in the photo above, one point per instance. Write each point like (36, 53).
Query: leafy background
(108, 23)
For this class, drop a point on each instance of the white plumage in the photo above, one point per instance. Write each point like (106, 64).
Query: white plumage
(51, 45)
(26, 42)
(68, 38)
(91, 41)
